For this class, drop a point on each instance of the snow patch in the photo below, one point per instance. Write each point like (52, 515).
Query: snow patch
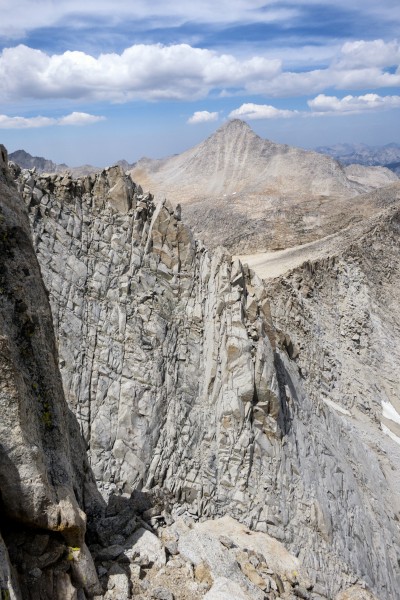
(389, 412)
(392, 435)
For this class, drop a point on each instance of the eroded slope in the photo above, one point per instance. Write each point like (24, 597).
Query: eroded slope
(253, 195)
(171, 362)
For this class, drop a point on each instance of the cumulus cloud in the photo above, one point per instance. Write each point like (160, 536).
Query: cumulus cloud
(79, 118)
(321, 105)
(363, 54)
(352, 104)
(74, 118)
(261, 111)
(355, 65)
(151, 72)
(202, 116)
(182, 72)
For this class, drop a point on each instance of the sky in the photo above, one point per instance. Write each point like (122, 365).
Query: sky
(96, 81)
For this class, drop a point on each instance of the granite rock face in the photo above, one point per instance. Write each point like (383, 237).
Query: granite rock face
(45, 480)
(340, 315)
(167, 338)
(180, 382)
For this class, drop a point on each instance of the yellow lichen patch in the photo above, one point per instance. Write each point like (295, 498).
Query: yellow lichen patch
(73, 552)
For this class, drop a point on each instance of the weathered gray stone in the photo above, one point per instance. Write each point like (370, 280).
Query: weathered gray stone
(356, 592)
(161, 593)
(44, 474)
(118, 585)
(171, 362)
(8, 578)
(225, 589)
(145, 548)
(109, 553)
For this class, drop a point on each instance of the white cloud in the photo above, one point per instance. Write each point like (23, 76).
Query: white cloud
(352, 104)
(74, 118)
(181, 72)
(18, 18)
(321, 105)
(7, 122)
(311, 82)
(363, 54)
(202, 116)
(261, 111)
(356, 65)
(80, 118)
(142, 71)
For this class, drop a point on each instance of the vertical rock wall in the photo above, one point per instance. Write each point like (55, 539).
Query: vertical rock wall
(160, 343)
(44, 474)
(169, 360)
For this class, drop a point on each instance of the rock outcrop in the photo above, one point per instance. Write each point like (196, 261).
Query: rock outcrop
(45, 480)
(181, 384)
(341, 312)
(143, 310)
(337, 311)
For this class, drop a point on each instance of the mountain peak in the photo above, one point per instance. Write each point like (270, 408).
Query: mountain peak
(231, 130)
(235, 125)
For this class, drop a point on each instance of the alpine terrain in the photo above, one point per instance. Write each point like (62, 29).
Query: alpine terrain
(180, 423)
(387, 156)
(251, 194)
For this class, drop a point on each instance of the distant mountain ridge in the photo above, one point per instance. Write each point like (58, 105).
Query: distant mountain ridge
(384, 156)
(251, 194)
(43, 165)
(234, 160)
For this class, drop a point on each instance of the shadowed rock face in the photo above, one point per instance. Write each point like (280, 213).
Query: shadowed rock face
(44, 473)
(171, 363)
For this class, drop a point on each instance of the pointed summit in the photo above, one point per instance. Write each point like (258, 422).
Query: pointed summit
(234, 128)
(235, 125)
(228, 184)
(234, 160)
(225, 163)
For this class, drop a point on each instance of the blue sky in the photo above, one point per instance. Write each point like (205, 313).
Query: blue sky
(93, 82)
